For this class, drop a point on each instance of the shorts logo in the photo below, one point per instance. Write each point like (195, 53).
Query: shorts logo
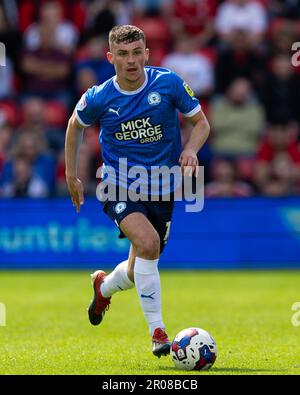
(154, 98)
(120, 207)
(188, 89)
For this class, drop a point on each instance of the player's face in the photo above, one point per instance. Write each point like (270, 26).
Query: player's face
(129, 60)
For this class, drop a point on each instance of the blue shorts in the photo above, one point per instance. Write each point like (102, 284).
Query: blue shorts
(158, 213)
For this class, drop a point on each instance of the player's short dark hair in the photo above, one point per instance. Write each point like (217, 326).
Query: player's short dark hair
(125, 34)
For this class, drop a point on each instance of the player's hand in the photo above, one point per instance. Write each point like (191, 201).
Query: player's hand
(188, 161)
(76, 191)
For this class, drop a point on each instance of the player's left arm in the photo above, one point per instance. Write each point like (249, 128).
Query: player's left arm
(188, 159)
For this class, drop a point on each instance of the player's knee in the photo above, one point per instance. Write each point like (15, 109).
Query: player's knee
(149, 247)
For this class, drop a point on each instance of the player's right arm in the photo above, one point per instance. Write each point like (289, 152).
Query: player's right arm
(74, 136)
(84, 115)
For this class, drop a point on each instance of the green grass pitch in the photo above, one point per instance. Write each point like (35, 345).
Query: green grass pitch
(248, 313)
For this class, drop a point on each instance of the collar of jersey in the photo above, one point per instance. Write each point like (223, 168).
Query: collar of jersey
(131, 92)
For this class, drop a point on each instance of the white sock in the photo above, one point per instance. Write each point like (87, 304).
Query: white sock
(147, 283)
(117, 280)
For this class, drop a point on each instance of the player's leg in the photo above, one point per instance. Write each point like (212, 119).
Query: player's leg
(122, 278)
(131, 261)
(105, 286)
(146, 247)
(143, 264)
(117, 280)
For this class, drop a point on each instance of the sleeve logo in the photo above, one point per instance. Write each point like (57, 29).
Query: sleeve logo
(188, 89)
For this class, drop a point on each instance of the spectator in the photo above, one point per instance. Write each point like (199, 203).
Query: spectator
(103, 15)
(194, 17)
(7, 80)
(33, 114)
(158, 34)
(5, 141)
(65, 34)
(33, 148)
(284, 8)
(196, 69)
(9, 37)
(225, 182)
(246, 15)
(239, 59)
(237, 121)
(35, 119)
(277, 170)
(143, 7)
(283, 33)
(10, 11)
(94, 69)
(280, 91)
(30, 11)
(24, 182)
(46, 69)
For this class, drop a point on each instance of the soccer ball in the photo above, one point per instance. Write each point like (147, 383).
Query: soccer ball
(193, 349)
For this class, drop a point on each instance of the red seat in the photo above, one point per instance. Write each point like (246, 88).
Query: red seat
(10, 111)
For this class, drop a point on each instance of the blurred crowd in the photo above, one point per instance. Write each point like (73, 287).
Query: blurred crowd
(235, 54)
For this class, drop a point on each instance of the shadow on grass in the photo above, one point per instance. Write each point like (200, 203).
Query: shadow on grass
(221, 370)
(246, 370)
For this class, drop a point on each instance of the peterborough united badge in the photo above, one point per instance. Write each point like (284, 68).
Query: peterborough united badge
(154, 98)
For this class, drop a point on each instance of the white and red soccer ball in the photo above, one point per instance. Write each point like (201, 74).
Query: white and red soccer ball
(193, 349)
